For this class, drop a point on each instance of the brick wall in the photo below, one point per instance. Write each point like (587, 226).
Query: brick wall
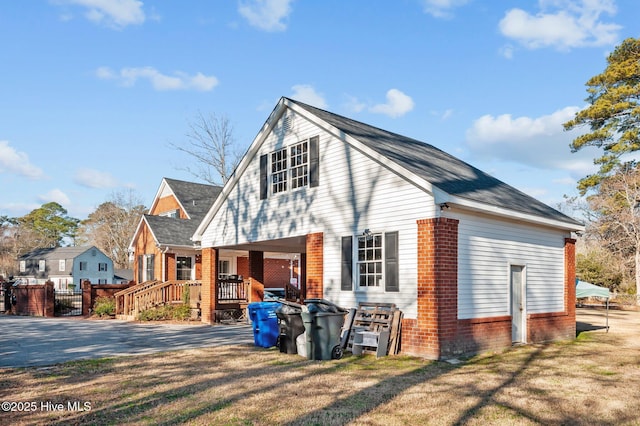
(198, 266)
(277, 272)
(169, 267)
(433, 333)
(90, 292)
(209, 274)
(242, 266)
(315, 266)
(34, 300)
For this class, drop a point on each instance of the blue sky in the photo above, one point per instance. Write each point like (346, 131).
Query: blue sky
(93, 92)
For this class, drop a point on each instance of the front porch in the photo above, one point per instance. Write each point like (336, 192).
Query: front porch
(232, 295)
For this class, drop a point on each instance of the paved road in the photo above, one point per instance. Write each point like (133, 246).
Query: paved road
(36, 341)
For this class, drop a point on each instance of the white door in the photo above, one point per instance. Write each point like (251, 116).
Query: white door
(518, 322)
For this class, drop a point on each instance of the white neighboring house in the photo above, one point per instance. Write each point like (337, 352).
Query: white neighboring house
(66, 267)
(472, 262)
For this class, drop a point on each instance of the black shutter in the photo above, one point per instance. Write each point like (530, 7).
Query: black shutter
(314, 161)
(347, 264)
(391, 281)
(140, 276)
(264, 184)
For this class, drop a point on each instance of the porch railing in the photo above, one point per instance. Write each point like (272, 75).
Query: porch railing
(232, 291)
(151, 294)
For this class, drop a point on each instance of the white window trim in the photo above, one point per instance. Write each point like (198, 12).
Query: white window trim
(288, 169)
(356, 266)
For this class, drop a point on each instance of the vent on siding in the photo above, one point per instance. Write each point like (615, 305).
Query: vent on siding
(285, 125)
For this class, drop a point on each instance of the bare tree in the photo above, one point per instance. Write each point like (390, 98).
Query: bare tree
(211, 143)
(111, 226)
(616, 224)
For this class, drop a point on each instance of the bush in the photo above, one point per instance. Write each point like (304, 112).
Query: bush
(166, 312)
(104, 306)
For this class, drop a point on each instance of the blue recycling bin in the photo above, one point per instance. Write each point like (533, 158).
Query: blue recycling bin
(265, 323)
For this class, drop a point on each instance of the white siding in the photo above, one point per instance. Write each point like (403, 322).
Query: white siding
(355, 193)
(486, 249)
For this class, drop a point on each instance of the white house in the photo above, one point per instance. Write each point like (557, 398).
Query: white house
(472, 262)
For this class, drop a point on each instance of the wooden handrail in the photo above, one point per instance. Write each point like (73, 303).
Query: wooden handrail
(132, 301)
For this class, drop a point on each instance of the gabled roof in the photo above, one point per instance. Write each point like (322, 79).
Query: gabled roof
(57, 253)
(442, 170)
(450, 179)
(195, 198)
(169, 231)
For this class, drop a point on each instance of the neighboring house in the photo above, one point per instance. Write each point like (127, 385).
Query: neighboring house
(162, 245)
(66, 267)
(374, 216)
(122, 276)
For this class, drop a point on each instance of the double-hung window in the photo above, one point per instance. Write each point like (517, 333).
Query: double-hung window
(370, 262)
(279, 171)
(299, 165)
(295, 166)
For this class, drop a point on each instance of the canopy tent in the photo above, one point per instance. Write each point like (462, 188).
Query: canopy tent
(585, 289)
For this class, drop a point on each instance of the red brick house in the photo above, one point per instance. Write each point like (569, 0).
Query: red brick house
(374, 216)
(162, 245)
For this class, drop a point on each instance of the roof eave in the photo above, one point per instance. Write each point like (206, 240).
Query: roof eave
(471, 205)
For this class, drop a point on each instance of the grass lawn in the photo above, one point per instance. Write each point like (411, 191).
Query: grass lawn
(592, 380)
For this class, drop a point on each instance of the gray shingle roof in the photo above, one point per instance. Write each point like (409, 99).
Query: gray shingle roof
(55, 253)
(197, 199)
(440, 169)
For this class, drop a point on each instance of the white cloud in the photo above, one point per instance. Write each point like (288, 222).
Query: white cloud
(539, 142)
(12, 161)
(307, 94)
(161, 82)
(55, 195)
(397, 104)
(563, 24)
(267, 15)
(91, 178)
(111, 13)
(442, 8)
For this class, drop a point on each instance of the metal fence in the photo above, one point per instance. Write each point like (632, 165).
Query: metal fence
(68, 303)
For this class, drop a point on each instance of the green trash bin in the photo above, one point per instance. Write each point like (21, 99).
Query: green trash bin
(323, 327)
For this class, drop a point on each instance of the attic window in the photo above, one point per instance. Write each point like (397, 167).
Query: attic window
(293, 167)
(173, 213)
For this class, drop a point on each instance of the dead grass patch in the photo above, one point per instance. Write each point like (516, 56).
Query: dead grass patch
(592, 380)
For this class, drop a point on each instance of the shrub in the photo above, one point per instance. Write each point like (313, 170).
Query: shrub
(166, 312)
(104, 306)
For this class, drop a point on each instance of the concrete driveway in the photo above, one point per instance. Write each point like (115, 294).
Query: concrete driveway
(36, 341)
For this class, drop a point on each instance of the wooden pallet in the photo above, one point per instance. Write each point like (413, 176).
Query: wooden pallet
(383, 319)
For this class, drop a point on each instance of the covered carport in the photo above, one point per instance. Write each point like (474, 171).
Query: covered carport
(309, 275)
